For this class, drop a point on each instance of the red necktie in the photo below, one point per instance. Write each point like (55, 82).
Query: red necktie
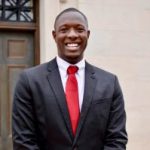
(72, 97)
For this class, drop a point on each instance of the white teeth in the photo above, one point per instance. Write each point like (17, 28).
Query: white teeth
(72, 44)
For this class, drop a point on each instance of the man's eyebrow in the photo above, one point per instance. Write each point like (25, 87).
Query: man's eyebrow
(64, 25)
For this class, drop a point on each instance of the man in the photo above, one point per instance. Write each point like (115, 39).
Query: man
(44, 118)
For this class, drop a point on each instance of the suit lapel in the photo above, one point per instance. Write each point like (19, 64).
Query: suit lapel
(56, 84)
(90, 84)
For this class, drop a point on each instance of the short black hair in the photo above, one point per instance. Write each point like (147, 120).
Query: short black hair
(71, 9)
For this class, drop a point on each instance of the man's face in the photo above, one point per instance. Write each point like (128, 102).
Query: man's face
(71, 35)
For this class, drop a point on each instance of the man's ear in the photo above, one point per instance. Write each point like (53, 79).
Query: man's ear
(54, 34)
(88, 32)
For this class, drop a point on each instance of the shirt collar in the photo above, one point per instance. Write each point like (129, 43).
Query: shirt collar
(63, 65)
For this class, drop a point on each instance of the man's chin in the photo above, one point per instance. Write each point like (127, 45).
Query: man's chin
(73, 59)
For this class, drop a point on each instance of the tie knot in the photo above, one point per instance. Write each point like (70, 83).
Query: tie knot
(72, 69)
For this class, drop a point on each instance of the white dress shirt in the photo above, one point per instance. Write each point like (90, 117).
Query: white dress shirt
(80, 75)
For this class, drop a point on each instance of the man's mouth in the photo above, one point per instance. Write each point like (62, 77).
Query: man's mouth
(72, 46)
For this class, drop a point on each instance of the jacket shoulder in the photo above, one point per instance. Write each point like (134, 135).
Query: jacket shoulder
(100, 72)
(42, 68)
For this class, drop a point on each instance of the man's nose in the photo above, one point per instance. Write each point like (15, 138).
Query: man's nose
(72, 33)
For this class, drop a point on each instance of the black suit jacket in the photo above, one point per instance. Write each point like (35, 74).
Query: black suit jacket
(41, 120)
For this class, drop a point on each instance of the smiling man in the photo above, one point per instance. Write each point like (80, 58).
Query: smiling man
(67, 103)
(71, 34)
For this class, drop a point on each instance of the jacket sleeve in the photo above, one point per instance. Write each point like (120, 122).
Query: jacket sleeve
(23, 120)
(116, 135)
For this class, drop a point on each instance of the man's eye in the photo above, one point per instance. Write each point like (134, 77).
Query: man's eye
(80, 30)
(63, 30)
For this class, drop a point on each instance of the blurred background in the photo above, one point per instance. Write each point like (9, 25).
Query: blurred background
(119, 43)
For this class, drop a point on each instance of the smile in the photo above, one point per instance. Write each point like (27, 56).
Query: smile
(72, 45)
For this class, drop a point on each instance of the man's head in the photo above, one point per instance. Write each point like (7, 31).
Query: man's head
(71, 34)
